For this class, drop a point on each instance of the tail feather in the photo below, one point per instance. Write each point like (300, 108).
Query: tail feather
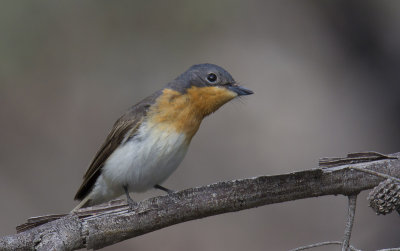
(40, 220)
(37, 221)
(82, 210)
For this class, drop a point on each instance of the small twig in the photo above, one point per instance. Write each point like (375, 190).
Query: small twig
(375, 173)
(347, 233)
(350, 222)
(325, 243)
(389, 249)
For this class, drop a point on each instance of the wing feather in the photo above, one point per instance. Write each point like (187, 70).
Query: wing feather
(124, 128)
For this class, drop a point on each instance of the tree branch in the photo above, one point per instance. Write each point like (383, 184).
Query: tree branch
(320, 244)
(100, 226)
(350, 221)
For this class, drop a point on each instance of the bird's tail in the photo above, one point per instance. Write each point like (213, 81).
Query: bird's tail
(37, 221)
(82, 210)
(40, 220)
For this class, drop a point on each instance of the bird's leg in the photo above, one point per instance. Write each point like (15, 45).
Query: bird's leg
(131, 203)
(164, 189)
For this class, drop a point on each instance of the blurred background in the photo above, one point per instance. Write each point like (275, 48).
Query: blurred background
(326, 81)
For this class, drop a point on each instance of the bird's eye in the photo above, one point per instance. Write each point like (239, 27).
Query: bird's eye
(212, 78)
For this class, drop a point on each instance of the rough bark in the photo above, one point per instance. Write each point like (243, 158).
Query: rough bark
(101, 226)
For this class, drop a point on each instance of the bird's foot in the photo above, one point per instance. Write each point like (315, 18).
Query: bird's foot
(169, 191)
(131, 204)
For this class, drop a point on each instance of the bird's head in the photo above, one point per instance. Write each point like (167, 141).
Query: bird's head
(207, 87)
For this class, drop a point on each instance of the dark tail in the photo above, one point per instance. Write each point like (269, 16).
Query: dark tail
(114, 205)
(37, 221)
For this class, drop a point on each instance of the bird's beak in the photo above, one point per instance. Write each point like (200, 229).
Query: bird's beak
(240, 90)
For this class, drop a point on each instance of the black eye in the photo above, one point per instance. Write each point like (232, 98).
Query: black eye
(212, 77)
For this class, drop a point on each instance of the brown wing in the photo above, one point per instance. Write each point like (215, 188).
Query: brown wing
(128, 123)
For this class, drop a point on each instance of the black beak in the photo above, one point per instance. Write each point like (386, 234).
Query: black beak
(240, 90)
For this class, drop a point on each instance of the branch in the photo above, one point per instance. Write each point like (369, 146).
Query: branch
(347, 233)
(101, 226)
(350, 222)
(320, 244)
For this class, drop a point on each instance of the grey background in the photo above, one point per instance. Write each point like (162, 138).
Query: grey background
(326, 82)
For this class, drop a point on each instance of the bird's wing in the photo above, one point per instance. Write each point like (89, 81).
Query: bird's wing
(123, 129)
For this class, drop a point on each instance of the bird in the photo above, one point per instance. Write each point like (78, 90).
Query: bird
(149, 141)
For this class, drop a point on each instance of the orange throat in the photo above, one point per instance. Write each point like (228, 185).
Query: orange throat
(183, 112)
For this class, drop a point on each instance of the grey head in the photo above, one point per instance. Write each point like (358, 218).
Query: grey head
(202, 75)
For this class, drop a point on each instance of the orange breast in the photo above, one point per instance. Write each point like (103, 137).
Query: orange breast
(184, 112)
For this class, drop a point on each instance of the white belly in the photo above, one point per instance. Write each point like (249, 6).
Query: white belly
(140, 163)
